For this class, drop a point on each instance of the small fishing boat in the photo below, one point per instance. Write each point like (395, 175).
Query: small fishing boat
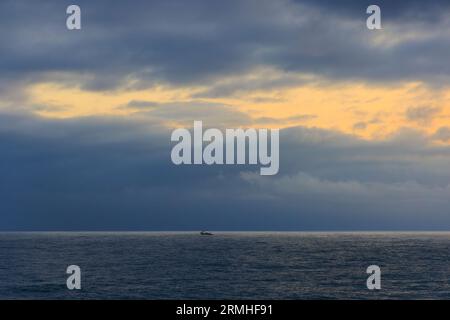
(205, 233)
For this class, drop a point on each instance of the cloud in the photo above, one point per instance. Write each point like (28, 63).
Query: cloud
(106, 173)
(142, 104)
(258, 80)
(360, 126)
(113, 173)
(286, 120)
(305, 184)
(422, 115)
(212, 114)
(442, 134)
(186, 112)
(203, 42)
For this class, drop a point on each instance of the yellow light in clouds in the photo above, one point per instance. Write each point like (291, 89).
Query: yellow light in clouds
(369, 111)
(67, 102)
(366, 110)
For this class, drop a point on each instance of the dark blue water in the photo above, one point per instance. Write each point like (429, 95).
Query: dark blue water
(225, 266)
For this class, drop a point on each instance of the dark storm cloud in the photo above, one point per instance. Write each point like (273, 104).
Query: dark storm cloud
(397, 10)
(103, 174)
(185, 42)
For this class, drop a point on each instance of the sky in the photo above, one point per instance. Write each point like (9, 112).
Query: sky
(86, 115)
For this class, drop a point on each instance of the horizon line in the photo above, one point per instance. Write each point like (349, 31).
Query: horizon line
(225, 231)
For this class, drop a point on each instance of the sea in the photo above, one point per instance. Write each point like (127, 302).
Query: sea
(226, 265)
